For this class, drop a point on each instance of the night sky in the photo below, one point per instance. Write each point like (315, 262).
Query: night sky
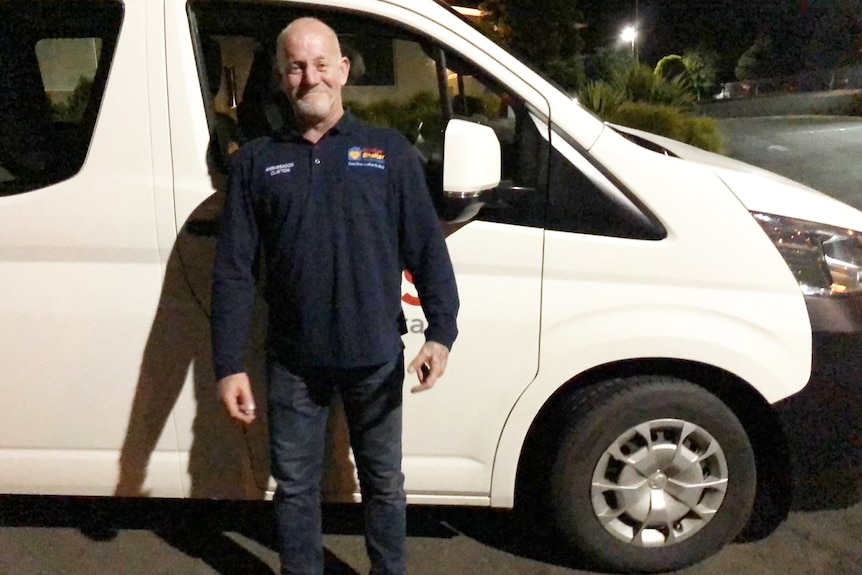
(728, 27)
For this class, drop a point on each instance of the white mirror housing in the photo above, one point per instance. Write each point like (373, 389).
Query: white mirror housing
(471, 159)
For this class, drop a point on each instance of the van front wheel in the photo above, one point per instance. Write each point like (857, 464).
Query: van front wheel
(652, 474)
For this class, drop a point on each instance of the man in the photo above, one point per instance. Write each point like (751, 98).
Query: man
(338, 208)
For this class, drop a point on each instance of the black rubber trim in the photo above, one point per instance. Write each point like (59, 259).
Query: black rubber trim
(835, 314)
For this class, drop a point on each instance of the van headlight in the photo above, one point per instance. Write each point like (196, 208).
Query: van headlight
(826, 260)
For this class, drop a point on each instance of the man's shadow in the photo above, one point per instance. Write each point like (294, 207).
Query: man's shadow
(225, 460)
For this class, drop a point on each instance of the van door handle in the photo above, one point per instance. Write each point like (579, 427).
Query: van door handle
(507, 187)
(504, 192)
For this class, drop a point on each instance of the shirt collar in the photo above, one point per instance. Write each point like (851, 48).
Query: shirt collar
(345, 125)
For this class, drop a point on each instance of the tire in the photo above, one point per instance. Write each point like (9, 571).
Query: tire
(651, 474)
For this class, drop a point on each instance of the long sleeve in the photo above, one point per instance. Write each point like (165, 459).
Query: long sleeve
(424, 251)
(234, 277)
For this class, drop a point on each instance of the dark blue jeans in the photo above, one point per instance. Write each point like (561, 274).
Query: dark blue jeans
(298, 408)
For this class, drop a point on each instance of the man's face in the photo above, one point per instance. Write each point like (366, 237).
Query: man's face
(313, 73)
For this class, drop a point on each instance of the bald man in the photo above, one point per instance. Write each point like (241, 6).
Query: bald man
(339, 209)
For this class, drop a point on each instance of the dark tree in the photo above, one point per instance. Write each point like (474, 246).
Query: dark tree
(545, 32)
(835, 33)
(756, 61)
(606, 62)
(702, 70)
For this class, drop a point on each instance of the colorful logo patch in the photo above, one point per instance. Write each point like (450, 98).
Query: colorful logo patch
(358, 157)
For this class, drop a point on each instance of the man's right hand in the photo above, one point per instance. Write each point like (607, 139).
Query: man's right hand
(235, 393)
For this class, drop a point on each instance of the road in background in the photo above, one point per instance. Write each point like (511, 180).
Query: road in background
(75, 536)
(820, 151)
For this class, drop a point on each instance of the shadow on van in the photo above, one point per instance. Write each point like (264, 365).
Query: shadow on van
(226, 461)
(219, 460)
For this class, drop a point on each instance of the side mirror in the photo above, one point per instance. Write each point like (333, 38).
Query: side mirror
(471, 166)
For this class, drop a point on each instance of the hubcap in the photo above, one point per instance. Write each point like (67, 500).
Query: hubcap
(659, 483)
(658, 480)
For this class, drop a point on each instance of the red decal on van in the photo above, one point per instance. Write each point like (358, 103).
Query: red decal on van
(408, 298)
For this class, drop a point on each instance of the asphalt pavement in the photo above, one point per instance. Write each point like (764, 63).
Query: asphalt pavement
(73, 536)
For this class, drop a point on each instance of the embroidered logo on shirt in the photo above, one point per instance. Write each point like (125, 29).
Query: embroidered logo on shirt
(279, 169)
(366, 158)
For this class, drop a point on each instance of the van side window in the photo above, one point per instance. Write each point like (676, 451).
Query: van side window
(54, 60)
(398, 78)
(432, 86)
(584, 199)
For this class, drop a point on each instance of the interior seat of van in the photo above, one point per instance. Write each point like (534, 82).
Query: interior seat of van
(264, 108)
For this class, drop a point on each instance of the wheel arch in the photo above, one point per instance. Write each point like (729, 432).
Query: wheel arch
(760, 422)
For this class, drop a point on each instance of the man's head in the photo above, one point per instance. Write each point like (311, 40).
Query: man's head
(312, 71)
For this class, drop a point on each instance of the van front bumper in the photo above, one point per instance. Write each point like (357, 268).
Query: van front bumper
(823, 422)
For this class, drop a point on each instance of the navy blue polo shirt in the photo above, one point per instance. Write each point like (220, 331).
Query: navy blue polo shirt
(337, 223)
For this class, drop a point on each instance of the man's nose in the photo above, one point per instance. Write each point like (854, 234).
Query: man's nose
(311, 76)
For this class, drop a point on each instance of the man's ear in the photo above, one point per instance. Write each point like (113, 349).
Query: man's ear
(344, 67)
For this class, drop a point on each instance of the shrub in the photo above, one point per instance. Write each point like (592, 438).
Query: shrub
(638, 98)
(639, 84)
(662, 120)
(676, 92)
(423, 108)
(636, 82)
(670, 122)
(600, 98)
(704, 133)
(854, 108)
(671, 67)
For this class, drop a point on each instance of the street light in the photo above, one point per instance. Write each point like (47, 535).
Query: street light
(629, 34)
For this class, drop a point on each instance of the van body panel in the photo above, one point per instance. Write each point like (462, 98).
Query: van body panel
(495, 358)
(761, 190)
(86, 472)
(188, 120)
(715, 273)
(707, 293)
(759, 193)
(160, 133)
(81, 276)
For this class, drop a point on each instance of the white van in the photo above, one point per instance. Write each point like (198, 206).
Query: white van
(629, 318)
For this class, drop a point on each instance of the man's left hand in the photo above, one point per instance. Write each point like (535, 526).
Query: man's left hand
(429, 365)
